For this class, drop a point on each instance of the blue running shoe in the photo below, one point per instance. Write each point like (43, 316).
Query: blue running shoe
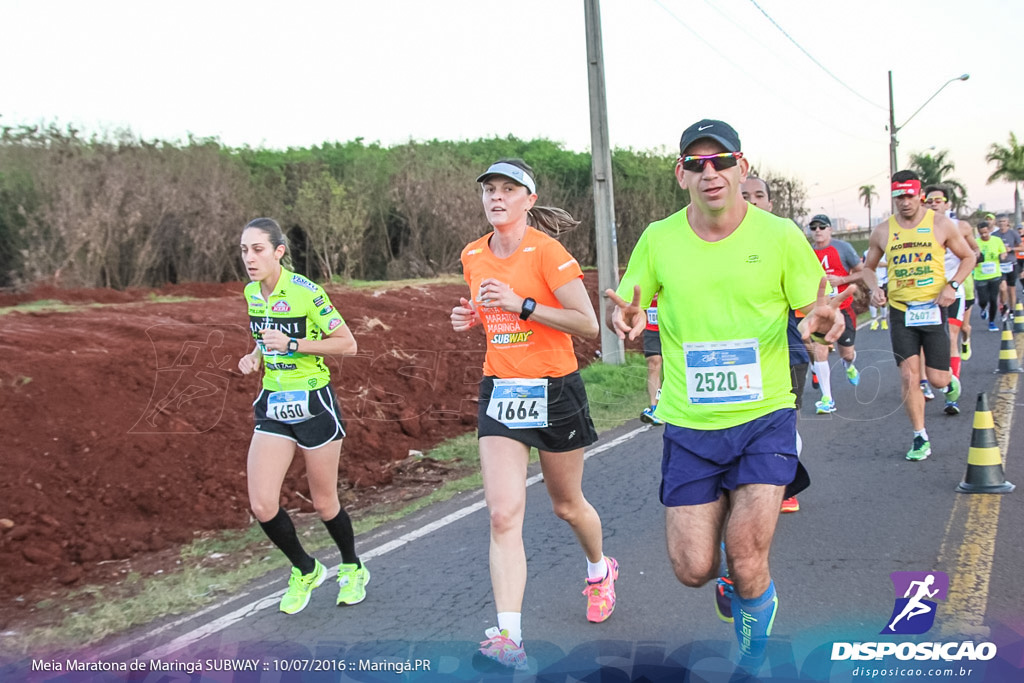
(824, 406)
(723, 598)
(648, 416)
(853, 375)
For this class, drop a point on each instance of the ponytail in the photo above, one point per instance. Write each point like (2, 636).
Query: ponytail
(551, 219)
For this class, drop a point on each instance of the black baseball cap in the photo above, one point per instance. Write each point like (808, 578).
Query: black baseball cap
(719, 131)
(821, 218)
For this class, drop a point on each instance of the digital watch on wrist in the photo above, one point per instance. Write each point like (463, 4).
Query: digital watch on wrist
(529, 306)
(293, 345)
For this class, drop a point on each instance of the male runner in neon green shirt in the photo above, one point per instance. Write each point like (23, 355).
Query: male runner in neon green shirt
(726, 275)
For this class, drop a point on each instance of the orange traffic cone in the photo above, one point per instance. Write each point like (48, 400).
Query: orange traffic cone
(1007, 353)
(984, 463)
(1018, 317)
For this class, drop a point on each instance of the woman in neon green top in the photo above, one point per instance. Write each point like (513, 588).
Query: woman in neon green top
(986, 274)
(294, 326)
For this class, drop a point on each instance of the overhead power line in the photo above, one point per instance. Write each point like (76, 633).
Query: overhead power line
(812, 58)
(760, 82)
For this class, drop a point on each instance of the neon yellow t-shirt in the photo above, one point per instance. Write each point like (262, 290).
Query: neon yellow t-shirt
(988, 269)
(302, 310)
(723, 308)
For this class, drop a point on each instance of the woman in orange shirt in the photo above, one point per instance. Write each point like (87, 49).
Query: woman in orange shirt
(529, 297)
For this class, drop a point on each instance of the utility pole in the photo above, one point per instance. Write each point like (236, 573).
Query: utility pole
(601, 167)
(892, 134)
(893, 130)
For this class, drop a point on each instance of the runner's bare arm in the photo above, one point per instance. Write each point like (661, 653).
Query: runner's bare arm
(955, 242)
(339, 343)
(625, 317)
(876, 249)
(576, 316)
(968, 234)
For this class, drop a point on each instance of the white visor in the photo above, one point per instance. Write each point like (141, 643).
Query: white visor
(509, 171)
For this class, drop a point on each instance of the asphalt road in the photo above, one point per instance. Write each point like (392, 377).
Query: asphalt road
(868, 512)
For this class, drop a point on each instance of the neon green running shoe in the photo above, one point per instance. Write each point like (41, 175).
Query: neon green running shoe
(920, 450)
(352, 582)
(300, 586)
(853, 375)
(953, 390)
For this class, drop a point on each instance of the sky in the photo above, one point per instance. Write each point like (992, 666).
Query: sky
(804, 82)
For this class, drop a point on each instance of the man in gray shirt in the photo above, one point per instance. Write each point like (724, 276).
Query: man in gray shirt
(1008, 264)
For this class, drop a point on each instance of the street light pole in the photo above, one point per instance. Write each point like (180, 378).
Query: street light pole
(894, 129)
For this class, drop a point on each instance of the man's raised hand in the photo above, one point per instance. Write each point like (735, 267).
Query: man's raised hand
(824, 319)
(626, 318)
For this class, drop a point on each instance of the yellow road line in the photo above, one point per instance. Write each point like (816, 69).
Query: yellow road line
(967, 601)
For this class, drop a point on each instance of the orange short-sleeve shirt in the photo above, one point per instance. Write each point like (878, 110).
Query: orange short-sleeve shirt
(523, 348)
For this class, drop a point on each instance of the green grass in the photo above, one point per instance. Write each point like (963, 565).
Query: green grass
(398, 284)
(859, 245)
(153, 297)
(219, 564)
(57, 306)
(617, 393)
(41, 306)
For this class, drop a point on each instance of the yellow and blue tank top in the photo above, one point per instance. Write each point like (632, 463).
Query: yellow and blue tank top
(916, 262)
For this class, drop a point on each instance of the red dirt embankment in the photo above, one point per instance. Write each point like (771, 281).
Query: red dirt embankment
(126, 426)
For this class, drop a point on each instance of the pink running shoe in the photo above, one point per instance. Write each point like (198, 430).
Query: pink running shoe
(501, 649)
(601, 593)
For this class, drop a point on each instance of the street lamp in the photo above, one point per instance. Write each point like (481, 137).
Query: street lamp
(894, 129)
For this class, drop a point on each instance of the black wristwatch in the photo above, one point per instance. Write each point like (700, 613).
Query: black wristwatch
(293, 346)
(955, 285)
(529, 306)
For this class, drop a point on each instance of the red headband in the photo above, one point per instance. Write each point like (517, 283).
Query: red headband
(910, 187)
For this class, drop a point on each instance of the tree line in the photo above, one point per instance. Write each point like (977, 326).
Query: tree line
(117, 211)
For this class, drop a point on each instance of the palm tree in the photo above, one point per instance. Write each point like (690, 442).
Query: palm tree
(1009, 160)
(935, 170)
(866, 193)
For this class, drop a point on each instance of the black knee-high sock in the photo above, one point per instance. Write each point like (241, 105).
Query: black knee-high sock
(281, 532)
(340, 529)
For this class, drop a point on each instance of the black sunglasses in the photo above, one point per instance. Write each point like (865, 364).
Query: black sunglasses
(817, 226)
(695, 164)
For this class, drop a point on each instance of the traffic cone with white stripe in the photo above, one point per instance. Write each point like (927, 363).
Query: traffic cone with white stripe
(1018, 317)
(984, 462)
(1008, 353)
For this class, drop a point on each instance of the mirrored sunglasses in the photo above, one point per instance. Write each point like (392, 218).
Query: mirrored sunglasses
(695, 164)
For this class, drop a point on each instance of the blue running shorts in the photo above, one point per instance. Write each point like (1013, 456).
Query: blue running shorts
(697, 465)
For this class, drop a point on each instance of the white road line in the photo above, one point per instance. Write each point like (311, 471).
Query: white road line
(273, 599)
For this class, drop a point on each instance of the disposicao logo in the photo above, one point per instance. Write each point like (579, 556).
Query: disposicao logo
(914, 609)
(913, 613)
